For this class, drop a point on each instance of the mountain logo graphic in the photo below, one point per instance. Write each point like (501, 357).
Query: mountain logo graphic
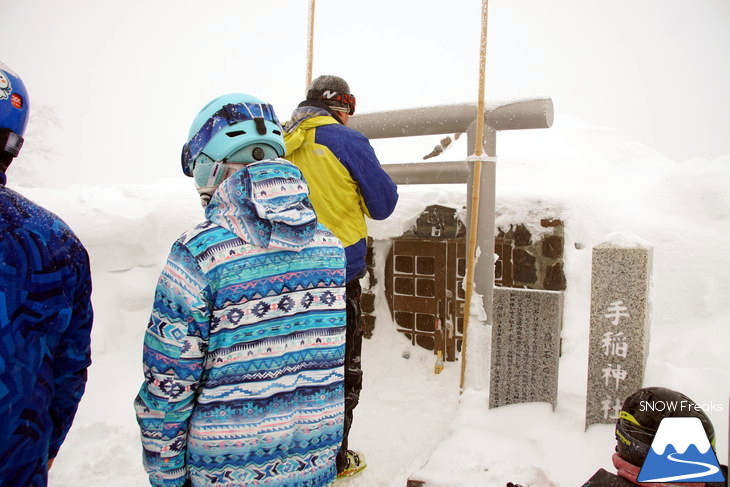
(680, 452)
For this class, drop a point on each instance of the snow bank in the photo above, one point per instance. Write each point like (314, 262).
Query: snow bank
(598, 183)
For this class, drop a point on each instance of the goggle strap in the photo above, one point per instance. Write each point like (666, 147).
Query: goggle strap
(327, 95)
(631, 442)
(10, 142)
(260, 125)
(228, 112)
(214, 172)
(185, 160)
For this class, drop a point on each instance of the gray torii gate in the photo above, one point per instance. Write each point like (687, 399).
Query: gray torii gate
(454, 119)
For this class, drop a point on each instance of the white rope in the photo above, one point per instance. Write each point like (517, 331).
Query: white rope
(310, 44)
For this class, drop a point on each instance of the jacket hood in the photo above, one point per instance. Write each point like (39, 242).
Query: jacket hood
(302, 119)
(265, 204)
(308, 109)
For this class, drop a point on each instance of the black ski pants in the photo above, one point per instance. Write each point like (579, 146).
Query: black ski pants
(353, 368)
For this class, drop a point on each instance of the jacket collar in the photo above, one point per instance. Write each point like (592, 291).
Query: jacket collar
(308, 109)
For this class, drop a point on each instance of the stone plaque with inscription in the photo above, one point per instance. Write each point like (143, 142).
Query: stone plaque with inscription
(525, 346)
(619, 327)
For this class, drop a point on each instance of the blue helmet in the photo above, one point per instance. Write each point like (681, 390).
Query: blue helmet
(235, 128)
(13, 111)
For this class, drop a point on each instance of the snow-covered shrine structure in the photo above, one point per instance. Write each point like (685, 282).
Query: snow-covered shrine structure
(435, 250)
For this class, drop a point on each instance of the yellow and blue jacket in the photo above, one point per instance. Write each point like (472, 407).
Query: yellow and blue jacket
(345, 179)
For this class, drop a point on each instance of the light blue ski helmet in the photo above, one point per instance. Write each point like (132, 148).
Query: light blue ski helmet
(13, 110)
(233, 128)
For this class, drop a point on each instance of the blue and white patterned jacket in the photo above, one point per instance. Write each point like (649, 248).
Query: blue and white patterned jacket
(45, 336)
(243, 355)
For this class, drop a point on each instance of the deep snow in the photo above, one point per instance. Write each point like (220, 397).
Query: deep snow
(597, 181)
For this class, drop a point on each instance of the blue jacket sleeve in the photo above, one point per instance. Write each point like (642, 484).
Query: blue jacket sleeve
(73, 355)
(379, 192)
(173, 359)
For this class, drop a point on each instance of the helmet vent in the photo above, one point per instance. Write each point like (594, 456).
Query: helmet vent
(277, 132)
(235, 133)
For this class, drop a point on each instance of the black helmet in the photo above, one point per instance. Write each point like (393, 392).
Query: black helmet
(641, 414)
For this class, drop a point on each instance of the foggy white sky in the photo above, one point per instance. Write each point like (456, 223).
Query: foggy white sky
(125, 79)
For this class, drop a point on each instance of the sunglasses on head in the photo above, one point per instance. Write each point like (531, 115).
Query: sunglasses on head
(228, 115)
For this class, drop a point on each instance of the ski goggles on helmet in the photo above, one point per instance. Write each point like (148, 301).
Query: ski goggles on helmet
(348, 101)
(10, 142)
(225, 117)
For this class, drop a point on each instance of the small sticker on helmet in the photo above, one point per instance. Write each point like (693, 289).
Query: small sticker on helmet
(16, 100)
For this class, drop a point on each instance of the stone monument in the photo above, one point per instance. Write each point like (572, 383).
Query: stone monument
(619, 326)
(525, 346)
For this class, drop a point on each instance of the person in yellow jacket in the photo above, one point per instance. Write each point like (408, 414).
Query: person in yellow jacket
(346, 185)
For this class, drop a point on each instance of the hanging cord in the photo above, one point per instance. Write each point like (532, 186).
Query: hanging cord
(310, 44)
(476, 189)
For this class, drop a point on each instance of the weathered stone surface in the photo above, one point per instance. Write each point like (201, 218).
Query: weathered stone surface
(552, 247)
(522, 236)
(503, 268)
(368, 325)
(525, 269)
(619, 328)
(525, 346)
(551, 222)
(554, 278)
(370, 254)
(368, 302)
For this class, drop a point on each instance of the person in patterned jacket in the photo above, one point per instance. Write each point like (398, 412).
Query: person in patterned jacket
(243, 354)
(45, 315)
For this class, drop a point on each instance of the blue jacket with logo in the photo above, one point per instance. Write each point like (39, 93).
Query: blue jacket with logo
(45, 327)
